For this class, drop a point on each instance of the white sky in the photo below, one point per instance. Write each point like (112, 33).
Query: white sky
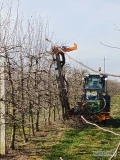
(85, 22)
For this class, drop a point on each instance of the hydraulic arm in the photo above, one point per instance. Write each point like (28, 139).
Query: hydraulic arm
(58, 54)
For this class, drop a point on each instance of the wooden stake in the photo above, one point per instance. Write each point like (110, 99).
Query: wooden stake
(2, 106)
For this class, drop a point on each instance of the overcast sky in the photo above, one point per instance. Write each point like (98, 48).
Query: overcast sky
(85, 22)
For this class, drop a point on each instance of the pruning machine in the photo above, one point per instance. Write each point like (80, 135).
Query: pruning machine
(96, 101)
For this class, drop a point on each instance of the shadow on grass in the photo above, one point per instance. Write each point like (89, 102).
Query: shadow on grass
(113, 122)
(72, 147)
(61, 150)
(80, 143)
(77, 143)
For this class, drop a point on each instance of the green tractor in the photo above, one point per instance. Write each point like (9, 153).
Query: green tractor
(96, 97)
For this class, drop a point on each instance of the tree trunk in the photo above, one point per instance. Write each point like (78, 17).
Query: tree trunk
(22, 102)
(49, 115)
(54, 111)
(23, 128)
(37, 121)
(32, 121)
(12, 145)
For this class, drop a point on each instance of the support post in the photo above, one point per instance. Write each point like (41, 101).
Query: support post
(2, 106)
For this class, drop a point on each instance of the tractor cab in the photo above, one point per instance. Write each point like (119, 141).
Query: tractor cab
(94, 85)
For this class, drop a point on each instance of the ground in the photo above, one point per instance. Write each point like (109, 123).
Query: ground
(81, 142)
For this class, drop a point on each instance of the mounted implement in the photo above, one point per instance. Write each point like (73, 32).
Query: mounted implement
(58, 54)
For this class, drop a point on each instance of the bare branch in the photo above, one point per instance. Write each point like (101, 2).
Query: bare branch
(109, 46)
(93, 124)
(115, 153)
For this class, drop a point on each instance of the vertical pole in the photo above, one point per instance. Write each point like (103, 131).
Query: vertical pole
(104, 64)
(2, 106)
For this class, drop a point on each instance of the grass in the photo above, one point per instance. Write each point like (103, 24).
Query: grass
(82, 143)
